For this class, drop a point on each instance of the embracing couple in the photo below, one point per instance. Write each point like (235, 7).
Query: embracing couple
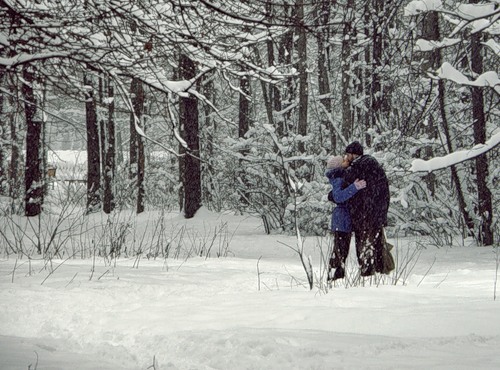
(360, 190)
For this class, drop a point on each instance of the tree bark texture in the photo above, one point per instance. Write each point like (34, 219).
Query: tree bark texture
(432, 61)
(3, 138)
(93, 148)
(16, 159)
(135, 86)
(462, 205)
(285, 53)
(485, 206)
(33, 178)
(376, 84)
(244, 107)
(109, 162)
(137, 157)
(323, 79)
(189, 120)
(303, 75)
(347, 81)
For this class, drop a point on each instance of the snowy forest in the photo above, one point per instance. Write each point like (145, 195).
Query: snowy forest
(163, 198)
(236, 105)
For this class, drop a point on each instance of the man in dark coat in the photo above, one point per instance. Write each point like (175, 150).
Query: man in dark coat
(368, 208)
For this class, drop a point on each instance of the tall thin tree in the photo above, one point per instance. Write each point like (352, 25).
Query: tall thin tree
(189, 120)
(33, 178)
(323, 36)
(303, 74)
(3, 137)
(484, 201)
(109, 161)
(137, 158)
(93, 147)
(347, 82)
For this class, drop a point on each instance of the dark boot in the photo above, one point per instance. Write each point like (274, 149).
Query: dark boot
(339, 273)
(367, 271)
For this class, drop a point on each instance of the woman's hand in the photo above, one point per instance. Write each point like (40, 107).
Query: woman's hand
(360, 184)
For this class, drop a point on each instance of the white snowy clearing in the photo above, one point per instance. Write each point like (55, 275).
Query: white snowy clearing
(251, 309)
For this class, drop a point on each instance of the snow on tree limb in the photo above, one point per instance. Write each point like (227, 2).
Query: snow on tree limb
(429, 45)
(25, 58)
(421, 6)
(438, 163)
(493, 45)
(487, 79)
(477, 17)
(138, 129)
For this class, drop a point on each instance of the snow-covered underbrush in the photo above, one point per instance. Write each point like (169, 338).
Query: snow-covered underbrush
(67, 232)
(146, 306)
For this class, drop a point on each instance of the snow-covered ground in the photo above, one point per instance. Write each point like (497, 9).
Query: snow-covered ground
(249, 310)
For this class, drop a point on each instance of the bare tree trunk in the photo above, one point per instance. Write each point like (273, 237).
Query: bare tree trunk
(93, 148)
(273, 99)
(189, 120)
(323, 80)
(33, 178)
(135, 86)
(210, 128)
(3, 138)
(454, 173)
(303, 76)
(376, 85)
(268, 95)
(137, 160)
(363, 113)
(274, 96)
(432, 61)
(141, 170)
(244, 107)
(109, 161)
(244, 125)
(285, 53)
(347, 81)
(102, 145)
(485, 206)
(15, 165)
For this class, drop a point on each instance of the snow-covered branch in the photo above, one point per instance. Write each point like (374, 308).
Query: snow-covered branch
(438, 163)
(487, 79)
(477, 17)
